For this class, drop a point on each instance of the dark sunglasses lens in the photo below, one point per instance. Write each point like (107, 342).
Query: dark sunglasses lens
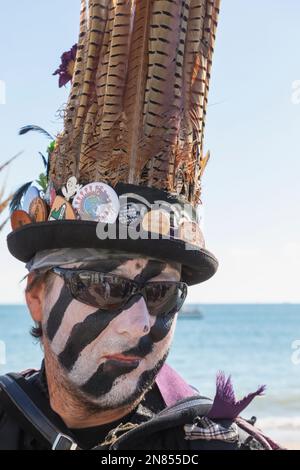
(109, 292)
(165, 297)
(99, 290)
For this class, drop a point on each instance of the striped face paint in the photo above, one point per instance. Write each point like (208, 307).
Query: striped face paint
(109, 359)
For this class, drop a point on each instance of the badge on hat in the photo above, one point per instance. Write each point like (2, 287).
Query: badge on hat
(157, 221)
(97, 202)
(19, 218)
(61, 210)
(190, 232)
(71, 189)
(50, 194)
(38, 210)
(131, 213)
(30, 194)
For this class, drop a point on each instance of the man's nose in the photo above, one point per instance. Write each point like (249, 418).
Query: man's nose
(135, 321)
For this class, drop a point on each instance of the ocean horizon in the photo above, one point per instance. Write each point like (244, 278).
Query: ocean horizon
(257, 344)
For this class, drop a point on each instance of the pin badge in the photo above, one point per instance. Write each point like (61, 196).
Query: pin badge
(61, 210)
(38, 210)
(71, 188)
(19, 219)
(50, 194)
(97, 202)
(129, 214)
(31, 193)
(190, 232)
(157, 221)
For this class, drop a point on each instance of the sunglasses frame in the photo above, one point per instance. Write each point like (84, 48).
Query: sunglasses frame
(140, 287)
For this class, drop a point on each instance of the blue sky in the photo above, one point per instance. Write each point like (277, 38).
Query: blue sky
(251, 186)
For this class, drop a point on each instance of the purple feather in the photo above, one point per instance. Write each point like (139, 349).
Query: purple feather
(225, 405)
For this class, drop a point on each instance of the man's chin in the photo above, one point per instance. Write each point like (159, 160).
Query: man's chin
(122, 395)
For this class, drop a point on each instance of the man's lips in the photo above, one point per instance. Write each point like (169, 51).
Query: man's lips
(122, 358)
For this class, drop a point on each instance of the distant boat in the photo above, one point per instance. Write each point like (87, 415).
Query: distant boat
(191, 311)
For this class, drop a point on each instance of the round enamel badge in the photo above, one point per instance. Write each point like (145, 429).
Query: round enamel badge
(157, 221)
(98, 202)
(20, 218)
(38, 210)
(31, 194)
(130, 213)
(190, 232)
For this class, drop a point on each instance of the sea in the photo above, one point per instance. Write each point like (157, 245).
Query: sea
(257, 344)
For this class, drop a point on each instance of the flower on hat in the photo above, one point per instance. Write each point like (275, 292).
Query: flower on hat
(66, 68)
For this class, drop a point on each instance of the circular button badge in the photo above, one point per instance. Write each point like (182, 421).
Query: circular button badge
(130, 214)
(190, 232)
(157, 221)
(38, 210)
(31, 194)
(19, 219)
(97, 202)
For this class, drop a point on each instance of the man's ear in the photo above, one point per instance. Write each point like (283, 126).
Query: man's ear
(35, 296)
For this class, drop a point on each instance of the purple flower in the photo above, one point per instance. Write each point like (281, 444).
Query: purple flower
(66, 68)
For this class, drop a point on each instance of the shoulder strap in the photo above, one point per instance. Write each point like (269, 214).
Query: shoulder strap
(17, 398)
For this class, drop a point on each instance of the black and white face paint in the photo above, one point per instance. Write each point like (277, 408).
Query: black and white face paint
(87, 343)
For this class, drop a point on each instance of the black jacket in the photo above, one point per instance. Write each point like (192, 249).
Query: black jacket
(150, 426)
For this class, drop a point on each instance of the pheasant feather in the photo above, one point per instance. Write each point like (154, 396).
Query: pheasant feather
(138, 100)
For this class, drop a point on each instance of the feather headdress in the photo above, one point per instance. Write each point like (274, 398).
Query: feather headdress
(125, 172)
(138, 100)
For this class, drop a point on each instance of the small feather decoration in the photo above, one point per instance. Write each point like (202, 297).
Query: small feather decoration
(16, 200)
(225, 405)
(31, 128)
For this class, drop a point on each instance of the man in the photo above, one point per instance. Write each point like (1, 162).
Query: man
(114, 240)
(100, 365)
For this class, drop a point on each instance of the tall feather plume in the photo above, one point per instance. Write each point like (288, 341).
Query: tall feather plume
(105, 138)
(138, 100)
(163, 101)
(191, 125)
(205, 59)
(135, 91)
(78, 69)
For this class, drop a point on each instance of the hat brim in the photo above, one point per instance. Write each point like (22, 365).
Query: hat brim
(198, 265)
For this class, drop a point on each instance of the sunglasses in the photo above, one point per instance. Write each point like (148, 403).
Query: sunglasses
(111, 291)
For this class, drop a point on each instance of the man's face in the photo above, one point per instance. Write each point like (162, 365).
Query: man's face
(86, 344)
